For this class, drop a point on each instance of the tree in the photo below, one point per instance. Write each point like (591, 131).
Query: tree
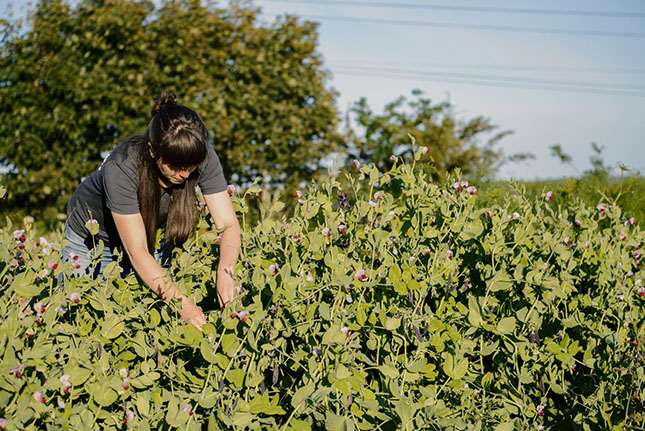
(451, 143)
(78, 79)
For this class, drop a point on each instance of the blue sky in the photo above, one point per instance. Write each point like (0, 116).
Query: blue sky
(552, 78)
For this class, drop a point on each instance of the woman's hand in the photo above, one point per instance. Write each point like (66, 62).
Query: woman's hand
(191, 312)
(226, 289)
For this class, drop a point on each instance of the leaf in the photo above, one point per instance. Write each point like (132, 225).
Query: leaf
(23, 284)
(333, 422)
(506, 325)
(302, 394)
(112, 326)
(102, 394)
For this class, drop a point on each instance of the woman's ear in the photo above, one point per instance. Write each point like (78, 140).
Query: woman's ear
(152, 153)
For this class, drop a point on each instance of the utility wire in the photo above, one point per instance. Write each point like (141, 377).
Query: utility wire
(470, 8)
(611, 86)
(474, 26)
(492, 84)
(557, 69)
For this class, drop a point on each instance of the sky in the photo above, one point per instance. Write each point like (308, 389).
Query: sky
(568, 73)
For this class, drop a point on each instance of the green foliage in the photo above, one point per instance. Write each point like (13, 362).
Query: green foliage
(452, 143)
(77, 79)
(389, 304)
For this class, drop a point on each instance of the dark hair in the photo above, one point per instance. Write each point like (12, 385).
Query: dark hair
(178, 137)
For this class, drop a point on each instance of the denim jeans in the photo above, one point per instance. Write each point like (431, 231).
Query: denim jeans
(85, 252)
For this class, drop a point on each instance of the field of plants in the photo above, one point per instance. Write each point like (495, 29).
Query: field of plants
(384, 302)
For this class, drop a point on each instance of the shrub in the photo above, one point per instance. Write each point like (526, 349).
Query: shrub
(392, 304)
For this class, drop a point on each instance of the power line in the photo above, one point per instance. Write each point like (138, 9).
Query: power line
(471, 8)
(476, 26)
(558, 69)
(484, 83)
(540, 81)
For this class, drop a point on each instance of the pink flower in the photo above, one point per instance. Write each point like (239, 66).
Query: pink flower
(449, 254)
(202, 206)
(457, 186)
(129, 416)
(424, 150)
(52, 264)
(622, 236)
(18, 233)
(230, 189)
(218, 240)
(361, 274)
(341, 229)
(242, 315)
(75, 297)
(549, 196)
(42, 242)
(355, 164)
(3, 421)
(126, 384)
(516, 216)
(273, 268)
(188, 409)
(298, 194)
(602, 209)
(17, 370)
(393, 158)
(472, 190)
(345, 330)
(377, 196)
(540, 410)
(40, 397)
(64, 379)
(73, 256)
(567, 241)
(38, 307)
(393, 214)
(316, 351)
(326, 231)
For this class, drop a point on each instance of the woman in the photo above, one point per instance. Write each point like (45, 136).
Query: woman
(147, 181)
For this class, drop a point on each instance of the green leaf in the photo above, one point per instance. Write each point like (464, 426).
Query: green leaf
(23, 284)
(506, 325)
(302, 394)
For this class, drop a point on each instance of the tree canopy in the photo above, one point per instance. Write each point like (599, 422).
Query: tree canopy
(79, 78)
(469, 145)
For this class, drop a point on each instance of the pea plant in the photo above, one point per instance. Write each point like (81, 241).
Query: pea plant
(381, 301)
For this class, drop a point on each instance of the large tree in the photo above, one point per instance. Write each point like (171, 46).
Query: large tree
(469, 145)
(76, 79)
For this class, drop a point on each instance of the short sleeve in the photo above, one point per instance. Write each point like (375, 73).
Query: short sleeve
(211, 175)
(120, 185)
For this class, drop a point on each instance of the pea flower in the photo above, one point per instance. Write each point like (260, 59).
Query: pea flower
(242, 315)
(355, 164)
(17, 370)
(298, 194)
(3, 421)
(457, 186)
(326, 231)
(622, 236)
(345, 330)
(129, 416)
(377, 196)
(361, 274)
(38, 307)
(40, 397)
(273, 268)
(424, 150)
(450, 254)
(52, 264)
(188, 409)
(64, 379)
(202, 206)
(549, 196)
(393, 214)
(341, 228)
(602, 209)
(42, 242)
(540, 410)
(230, 189)
(18, 233)
(393, 158)
(471, 190)
(75, 297)
(567, 241)
(317, 352)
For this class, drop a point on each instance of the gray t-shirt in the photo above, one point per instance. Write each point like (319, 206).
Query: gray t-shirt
(114, 187)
